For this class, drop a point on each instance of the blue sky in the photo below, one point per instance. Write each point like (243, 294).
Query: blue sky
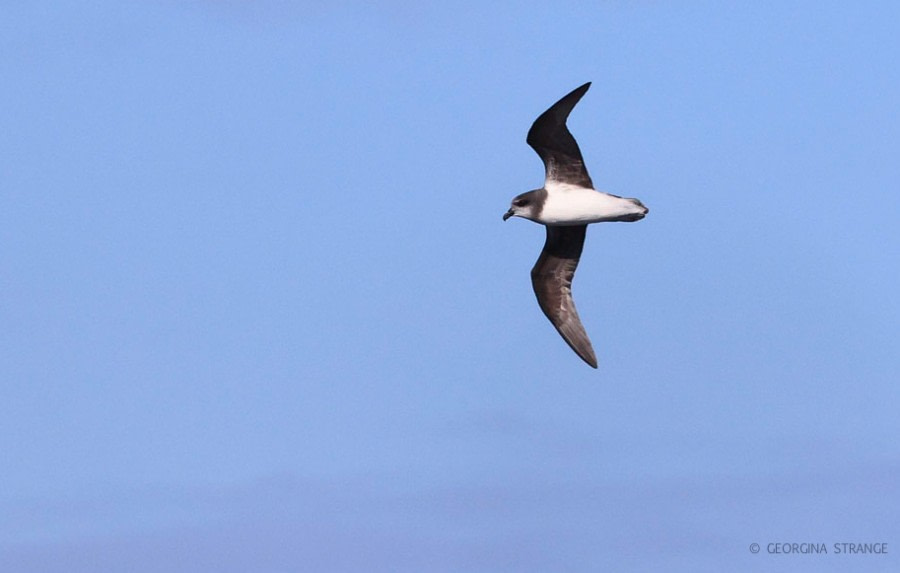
(262, 314)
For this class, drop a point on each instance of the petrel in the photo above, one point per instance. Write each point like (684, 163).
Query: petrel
(565, 205)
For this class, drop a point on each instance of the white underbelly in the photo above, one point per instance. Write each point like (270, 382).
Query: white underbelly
(576, 206)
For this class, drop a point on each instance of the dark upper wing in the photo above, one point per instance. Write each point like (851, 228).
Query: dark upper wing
(550, 137)
(551, 278)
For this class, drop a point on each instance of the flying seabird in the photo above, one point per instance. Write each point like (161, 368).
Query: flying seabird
(565, 205)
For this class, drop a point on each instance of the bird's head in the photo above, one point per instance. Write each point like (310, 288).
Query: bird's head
(527, 205)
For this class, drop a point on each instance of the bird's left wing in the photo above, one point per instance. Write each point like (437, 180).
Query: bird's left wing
(559, 151)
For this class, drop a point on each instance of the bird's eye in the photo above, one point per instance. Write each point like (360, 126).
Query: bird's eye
(520, 202)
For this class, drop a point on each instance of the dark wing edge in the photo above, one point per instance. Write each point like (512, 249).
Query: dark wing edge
(557, 148)
(551, 278)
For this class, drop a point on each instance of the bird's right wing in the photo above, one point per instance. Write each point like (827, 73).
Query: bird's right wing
(551, 278)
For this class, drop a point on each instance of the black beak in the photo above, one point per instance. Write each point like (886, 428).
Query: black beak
(508, 214)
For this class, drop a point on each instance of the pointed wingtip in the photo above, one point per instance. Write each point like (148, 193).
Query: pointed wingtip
(589, 359)
(576, 94)
(580, 343)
